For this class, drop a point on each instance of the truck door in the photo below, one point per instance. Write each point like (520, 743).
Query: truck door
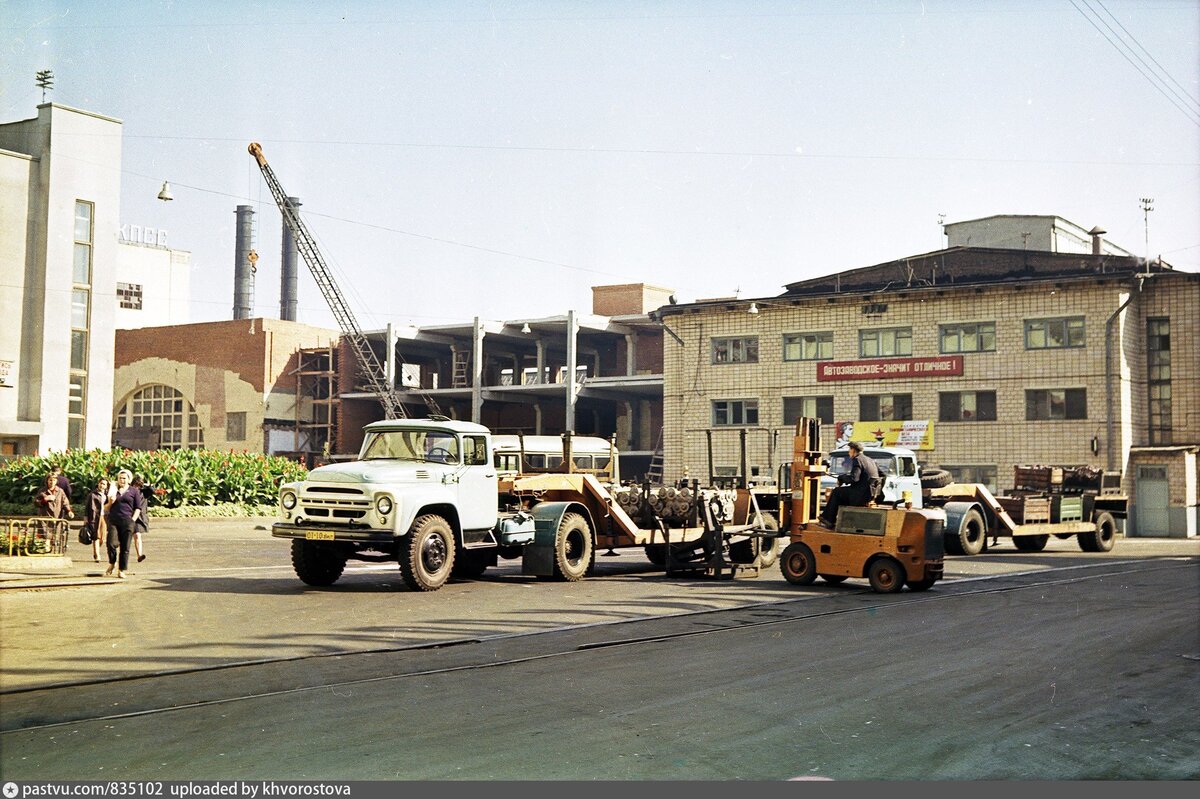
(477, 485)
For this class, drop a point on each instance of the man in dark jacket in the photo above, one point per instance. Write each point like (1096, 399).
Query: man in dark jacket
(856, 488)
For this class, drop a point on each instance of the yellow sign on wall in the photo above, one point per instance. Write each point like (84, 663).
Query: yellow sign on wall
(911, 433)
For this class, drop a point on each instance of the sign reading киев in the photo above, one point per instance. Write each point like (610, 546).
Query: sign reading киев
(888, 368)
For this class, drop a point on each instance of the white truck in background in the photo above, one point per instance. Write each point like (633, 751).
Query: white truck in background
(428, 494)
(902, 475)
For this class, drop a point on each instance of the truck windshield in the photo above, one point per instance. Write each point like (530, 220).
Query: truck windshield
(422, 446)
(839, 462)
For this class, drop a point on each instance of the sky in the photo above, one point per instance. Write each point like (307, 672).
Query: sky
(498, 160)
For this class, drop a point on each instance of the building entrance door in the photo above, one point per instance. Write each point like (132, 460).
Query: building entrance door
(1152, 517)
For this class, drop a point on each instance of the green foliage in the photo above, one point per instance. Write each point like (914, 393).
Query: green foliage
(183, 478)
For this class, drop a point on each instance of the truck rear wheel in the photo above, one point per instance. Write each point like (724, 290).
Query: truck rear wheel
(970, 536)
(886, 576)
(797, 564)
(427, 553)
(317, 563)
(1030, 543)
(573, 548)
(1105, 536)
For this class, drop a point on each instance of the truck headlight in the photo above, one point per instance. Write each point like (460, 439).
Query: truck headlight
(383, 504)
(288, 499)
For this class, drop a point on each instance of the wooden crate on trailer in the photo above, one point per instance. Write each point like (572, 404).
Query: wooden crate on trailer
(1037, 478)
(1027, 509)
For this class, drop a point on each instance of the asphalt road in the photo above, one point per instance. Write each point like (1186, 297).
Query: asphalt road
(213, 662)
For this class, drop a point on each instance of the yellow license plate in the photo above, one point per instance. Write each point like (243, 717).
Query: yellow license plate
(319, 535)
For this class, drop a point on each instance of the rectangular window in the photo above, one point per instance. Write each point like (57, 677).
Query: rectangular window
(235, 426)
(735, 350)
(884, 407)
(1158, 379)
(734, 412)
(811, 407)
(885, 342)
(79, 350)
(1052, 334)
(967, 337)
(1045, 404)
(974, 474)
(967, 406)
(81, 297)
(808, 346)
(130, 295)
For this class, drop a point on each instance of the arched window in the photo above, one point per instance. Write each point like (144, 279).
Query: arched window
(165, 408)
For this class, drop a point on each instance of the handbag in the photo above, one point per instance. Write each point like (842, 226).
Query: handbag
(86, 535)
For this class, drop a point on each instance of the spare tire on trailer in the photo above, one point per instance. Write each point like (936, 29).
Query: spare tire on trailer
(935, 478)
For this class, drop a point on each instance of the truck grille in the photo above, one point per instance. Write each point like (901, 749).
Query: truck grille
(334, 503)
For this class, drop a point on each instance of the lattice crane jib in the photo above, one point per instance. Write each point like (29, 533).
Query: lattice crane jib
(306, 245)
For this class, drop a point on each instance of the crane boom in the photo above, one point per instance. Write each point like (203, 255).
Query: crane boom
(393, 408)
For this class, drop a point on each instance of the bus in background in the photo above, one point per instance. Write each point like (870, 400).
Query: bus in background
(521, 454)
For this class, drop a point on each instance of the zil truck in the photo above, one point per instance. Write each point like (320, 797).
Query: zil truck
(428, 494)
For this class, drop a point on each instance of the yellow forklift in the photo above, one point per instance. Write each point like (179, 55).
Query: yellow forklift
(890, 546)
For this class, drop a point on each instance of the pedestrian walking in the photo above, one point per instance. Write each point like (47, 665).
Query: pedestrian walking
(95, 525)
(123, 512)
(53, 503)
(142, 525)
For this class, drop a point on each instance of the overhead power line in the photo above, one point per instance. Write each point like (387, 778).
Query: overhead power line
(1181, 100)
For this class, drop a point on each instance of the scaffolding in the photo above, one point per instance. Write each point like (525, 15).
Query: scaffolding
(317, 401)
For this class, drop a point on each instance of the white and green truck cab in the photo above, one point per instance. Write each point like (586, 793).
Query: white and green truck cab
(422, 491)
(897, 466)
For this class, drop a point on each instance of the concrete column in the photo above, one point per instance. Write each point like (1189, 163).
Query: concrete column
(572, 356)
(477, 372)
(630, 354)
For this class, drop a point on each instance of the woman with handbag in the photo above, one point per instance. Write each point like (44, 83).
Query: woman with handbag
(123, 512)
(95, 527)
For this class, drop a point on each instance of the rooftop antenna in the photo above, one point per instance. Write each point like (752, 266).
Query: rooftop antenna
(45, 79)
(942, 225)
(1147, 207)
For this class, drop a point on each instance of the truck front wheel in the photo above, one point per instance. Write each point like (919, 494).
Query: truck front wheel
(427, 553)
(1105, 536)
(797, 564)
(886, 576)
(573, 548)
(316, 563)
(970, 536)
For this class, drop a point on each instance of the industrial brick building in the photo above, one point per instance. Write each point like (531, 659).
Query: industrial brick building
(980, 357)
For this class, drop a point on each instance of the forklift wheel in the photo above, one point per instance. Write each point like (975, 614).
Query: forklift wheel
(886, 576)
(797, 564)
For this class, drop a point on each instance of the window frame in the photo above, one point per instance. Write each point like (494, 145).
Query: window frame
(1045, 324)
(821, 341)
(877, 415)
(820, 401)
(984, 330)
(978, 415)
(737, 349)
(1071, 397)
(899, 334)
(744, 407)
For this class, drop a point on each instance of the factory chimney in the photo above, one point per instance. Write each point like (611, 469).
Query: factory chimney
(287, 275)
(243, 264)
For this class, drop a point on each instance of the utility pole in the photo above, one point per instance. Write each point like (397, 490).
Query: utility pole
(1147, 207)
(45, 80)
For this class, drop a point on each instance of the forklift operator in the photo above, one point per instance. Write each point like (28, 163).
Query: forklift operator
(858, 486)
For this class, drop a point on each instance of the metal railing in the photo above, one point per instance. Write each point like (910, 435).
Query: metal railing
(34, 535)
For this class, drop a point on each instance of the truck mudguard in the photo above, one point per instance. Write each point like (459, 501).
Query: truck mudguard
(955, 511)
(547, 516)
